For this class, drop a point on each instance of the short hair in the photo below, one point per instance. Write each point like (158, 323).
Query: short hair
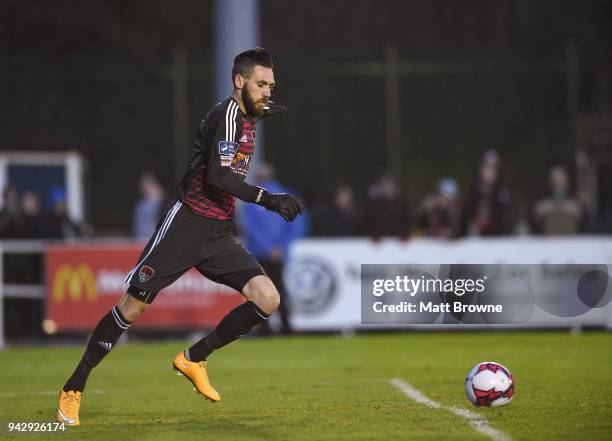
(245, 62)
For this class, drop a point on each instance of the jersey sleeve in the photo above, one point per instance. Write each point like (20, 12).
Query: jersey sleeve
(223, 146)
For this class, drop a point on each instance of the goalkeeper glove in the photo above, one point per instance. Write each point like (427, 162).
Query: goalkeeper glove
(288, 206)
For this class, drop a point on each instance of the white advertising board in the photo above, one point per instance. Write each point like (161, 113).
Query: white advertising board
(323, 276)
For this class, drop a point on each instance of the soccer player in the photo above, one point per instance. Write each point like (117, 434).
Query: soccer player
(197, 231)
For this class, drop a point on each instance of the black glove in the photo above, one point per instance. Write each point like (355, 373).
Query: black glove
(272, 108)
(288, 206)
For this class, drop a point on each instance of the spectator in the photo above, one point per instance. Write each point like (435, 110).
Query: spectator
(440, 212)
(487, 206)
(30, 225)
(343, 217)
(10, 213)
(591, 223)
(311, 214)
(148, 208)
(58, 224)
(387, 212)
(558, 213)
(268, 237)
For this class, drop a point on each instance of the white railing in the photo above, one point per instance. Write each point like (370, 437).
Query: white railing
(14, 290)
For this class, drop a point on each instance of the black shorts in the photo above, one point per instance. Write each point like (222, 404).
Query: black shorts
(183, 240)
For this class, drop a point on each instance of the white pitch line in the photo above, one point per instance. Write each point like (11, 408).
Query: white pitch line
(477, 421)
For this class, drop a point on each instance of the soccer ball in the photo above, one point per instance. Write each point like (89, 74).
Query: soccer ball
(489, 384)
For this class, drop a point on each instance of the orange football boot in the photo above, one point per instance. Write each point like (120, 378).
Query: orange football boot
(196, 373)
(68, 408)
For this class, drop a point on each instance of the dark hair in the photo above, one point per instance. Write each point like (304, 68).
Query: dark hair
(245, 62)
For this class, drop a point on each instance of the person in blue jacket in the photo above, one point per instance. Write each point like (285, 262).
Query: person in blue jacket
(268, 236)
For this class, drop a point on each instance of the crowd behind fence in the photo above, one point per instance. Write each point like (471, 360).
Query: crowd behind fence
(487, 208)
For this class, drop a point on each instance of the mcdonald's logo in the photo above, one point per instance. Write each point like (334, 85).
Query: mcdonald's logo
(77, 281)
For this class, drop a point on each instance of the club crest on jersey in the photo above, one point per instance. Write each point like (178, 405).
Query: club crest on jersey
(146, 273)
(244, 138)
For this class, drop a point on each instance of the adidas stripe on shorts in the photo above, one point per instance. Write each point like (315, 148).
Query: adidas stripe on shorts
(183, 240)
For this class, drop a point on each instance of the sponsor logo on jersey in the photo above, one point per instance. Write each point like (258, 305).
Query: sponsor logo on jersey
(145, 273)
(240, 163)
(76, 281)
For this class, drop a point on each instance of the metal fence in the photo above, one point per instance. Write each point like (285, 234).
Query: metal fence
(349, 119)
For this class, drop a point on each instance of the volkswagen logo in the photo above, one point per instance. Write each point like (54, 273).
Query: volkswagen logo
(311, 284)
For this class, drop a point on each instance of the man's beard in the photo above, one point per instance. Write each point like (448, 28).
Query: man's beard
(249, 104)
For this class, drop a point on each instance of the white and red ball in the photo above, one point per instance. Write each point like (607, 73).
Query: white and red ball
(489, 384)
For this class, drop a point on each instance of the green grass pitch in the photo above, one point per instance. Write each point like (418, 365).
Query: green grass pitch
(323, 388)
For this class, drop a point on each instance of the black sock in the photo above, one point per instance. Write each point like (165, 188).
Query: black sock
(237, 323)
(104, 337)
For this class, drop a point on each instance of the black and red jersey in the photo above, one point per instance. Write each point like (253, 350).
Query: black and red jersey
(220, 158)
